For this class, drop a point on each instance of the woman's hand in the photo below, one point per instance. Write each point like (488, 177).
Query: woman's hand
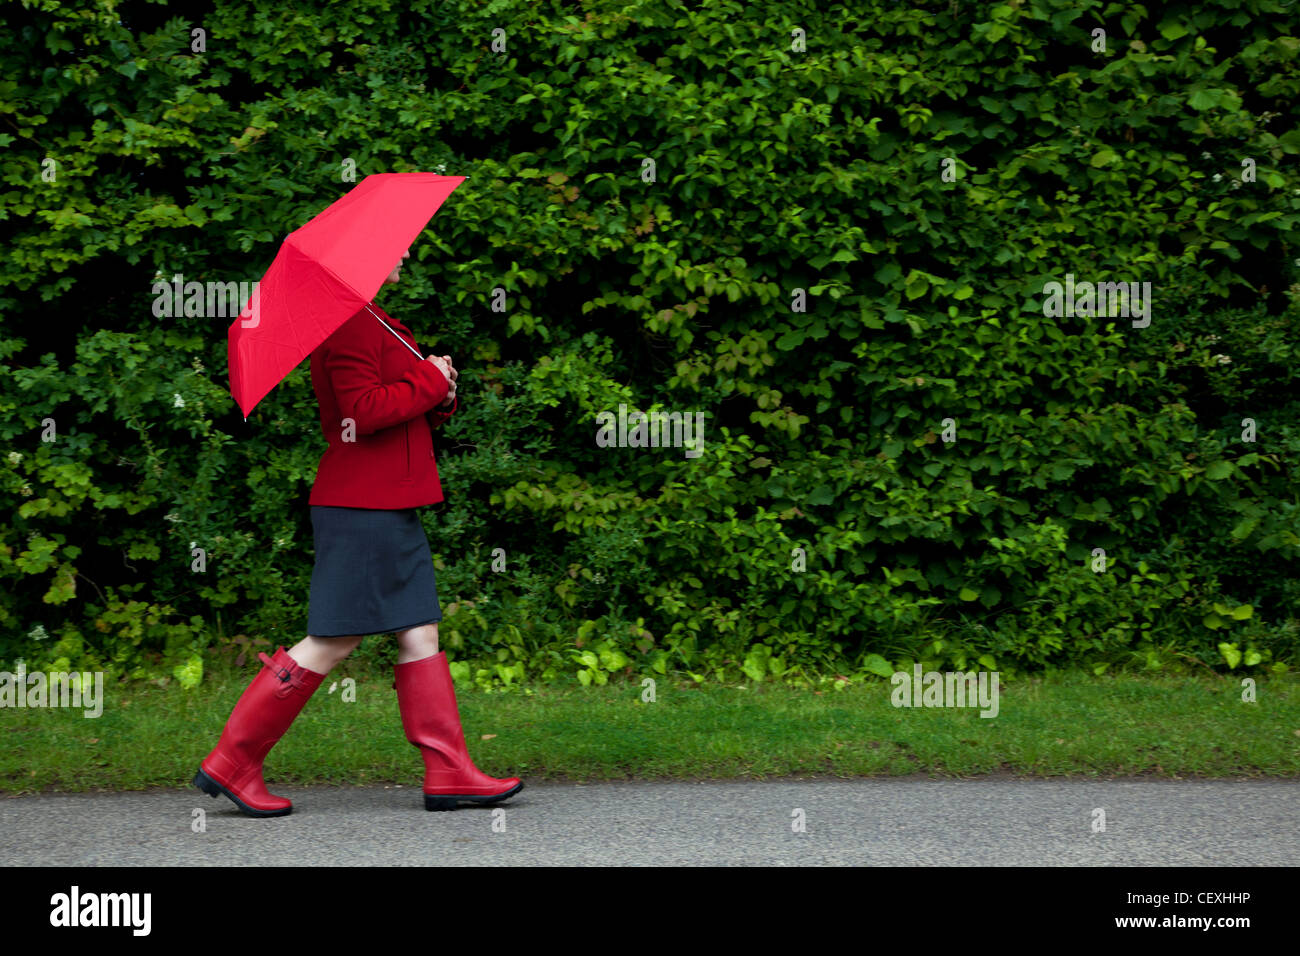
(444, 365)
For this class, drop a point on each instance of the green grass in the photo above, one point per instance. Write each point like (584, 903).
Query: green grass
(1065, 724)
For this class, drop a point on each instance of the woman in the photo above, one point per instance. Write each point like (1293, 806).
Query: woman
(373, 573)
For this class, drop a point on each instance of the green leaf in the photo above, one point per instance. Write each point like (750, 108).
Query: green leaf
(613, 660)
(966, 594)
(877, 665)
(1230, 654)
(791, 340)
(1219, 470)
(190, 674)
(1244, 527)
(1172, 30)
(821, 495)
(1243, 612)
(1103, 158)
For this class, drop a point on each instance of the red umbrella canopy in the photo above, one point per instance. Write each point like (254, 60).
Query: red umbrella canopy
(326, 272)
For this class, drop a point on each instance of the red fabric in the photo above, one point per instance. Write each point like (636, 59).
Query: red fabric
(363, 373)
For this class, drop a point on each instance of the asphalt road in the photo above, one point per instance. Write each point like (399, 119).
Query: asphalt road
(873, 822)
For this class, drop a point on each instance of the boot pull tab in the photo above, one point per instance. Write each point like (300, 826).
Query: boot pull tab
(281, 672)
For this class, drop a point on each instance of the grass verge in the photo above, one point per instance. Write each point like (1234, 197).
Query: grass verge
(1062, 724)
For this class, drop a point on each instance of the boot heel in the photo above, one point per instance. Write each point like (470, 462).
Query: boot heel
(432, 802)
(206, 784)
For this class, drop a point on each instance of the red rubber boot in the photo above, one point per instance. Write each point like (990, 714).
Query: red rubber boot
(269, 705)
(427, 700)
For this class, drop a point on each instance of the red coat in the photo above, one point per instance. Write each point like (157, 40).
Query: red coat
(363, 373)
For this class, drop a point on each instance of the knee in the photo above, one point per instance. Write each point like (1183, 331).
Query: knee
(421, 641)
(337, 648)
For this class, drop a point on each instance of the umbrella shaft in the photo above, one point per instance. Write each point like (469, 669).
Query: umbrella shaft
(394, 331)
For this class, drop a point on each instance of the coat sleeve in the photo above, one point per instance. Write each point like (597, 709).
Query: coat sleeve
(439, 415)
(352, 367)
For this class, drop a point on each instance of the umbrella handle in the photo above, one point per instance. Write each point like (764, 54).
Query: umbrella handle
(399, 338)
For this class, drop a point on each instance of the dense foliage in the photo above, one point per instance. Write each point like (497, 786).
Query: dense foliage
(827, 228)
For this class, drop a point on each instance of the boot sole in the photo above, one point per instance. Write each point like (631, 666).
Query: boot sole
(214, 789)
(449, 801)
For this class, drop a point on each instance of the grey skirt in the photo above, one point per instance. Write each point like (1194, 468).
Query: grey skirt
(373, 573)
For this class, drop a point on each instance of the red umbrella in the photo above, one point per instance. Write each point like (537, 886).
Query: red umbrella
(325, 273)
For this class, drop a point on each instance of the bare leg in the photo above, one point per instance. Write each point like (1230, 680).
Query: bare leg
(320, 654)
(417, 643)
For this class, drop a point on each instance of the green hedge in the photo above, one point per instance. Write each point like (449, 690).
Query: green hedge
(840, 260)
